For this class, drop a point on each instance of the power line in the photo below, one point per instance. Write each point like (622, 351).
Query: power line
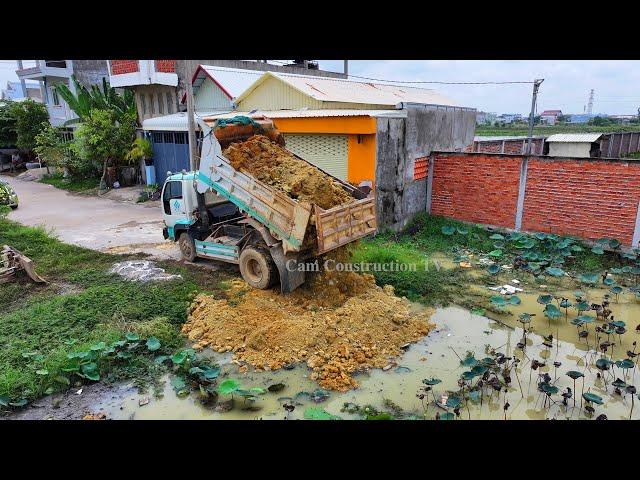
(441, 82)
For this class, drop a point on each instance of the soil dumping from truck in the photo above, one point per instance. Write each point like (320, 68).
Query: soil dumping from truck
(339, 324)
(274, 165)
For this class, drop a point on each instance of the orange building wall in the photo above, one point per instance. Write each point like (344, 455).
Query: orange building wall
(362, 156)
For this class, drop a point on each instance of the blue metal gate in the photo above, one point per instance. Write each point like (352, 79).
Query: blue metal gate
(170, 153)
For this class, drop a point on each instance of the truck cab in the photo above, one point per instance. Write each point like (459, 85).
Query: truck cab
(181, 208)
(207, 225)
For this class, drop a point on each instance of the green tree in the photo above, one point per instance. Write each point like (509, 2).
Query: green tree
(52, 148)
(8, 135)
(29, 117)
(84, 101)
(105, 138)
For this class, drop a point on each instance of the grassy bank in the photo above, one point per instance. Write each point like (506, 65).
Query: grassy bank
(82, 306)
(439, 279)
(71, 184)
(546, 130)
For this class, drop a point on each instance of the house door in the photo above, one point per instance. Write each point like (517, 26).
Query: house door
(170, 153)
(328, 152)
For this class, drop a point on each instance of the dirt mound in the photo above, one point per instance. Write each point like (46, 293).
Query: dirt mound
(275, 166)
(339, 324)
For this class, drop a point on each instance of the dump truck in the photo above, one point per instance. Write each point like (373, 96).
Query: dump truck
(220, 213)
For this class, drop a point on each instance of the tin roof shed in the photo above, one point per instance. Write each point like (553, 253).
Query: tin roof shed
(574, 138)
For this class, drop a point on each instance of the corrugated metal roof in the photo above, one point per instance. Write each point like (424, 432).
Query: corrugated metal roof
(176, 122)
(233, 81)
(574, 137)
(351, 91)
(310, 113)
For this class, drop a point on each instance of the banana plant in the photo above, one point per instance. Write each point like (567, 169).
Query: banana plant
(85, 100)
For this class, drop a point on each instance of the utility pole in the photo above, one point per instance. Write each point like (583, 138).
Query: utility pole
(194, 162)
(346, 67)
(22, 82)
(536, 85)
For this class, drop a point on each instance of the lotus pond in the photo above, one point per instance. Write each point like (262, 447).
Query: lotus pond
(471, 367)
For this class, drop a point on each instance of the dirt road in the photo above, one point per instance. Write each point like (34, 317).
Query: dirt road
(93, 222)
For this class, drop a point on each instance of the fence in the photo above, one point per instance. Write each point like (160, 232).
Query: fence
(587, 197)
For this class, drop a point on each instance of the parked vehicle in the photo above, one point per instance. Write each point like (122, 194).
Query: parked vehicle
(8, 196)
(220, 213)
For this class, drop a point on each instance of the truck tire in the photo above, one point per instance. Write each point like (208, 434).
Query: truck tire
(257, 268)
(187, 247)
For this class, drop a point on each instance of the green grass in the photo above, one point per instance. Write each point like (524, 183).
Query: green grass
(423, 242)
(71, 184)
(47, 323)
(522, 129)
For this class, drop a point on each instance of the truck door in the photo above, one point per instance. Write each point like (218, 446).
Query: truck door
(173, 203)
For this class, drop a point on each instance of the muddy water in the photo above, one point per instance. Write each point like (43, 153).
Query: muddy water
(458, 331)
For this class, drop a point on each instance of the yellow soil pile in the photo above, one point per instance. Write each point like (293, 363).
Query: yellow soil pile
(339, 324)
(271, 164)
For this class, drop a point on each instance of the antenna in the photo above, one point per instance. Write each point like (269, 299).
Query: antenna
(590, 106)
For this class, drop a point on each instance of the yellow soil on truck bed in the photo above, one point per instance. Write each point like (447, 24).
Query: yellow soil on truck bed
(272, 164)
(339, 324)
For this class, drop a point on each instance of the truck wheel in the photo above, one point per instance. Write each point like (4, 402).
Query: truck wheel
(257, 268)
(187, 247)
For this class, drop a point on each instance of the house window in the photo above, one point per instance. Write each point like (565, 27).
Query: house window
(152, 109)
(54, 96)
(169, 103)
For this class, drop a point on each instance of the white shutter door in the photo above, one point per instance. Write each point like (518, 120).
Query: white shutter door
(329, 152)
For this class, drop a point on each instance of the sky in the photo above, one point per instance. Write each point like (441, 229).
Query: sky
(566, 86)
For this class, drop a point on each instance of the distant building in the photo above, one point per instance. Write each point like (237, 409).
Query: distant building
(509, 117)
(580, 118)
(550, 117)
(624, 119)
(48, 73)
(483, 118)
(14, 91)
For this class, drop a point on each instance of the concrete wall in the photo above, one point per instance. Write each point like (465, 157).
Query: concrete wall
(616, 145)
(586, 197)
(400, 142)
(155, 101)
(576, 150)
(90, 72)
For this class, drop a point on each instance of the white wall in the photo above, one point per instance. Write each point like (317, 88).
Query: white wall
(579, 150)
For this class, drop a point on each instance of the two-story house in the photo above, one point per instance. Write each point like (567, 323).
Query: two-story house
(48, 73)
(159, 85)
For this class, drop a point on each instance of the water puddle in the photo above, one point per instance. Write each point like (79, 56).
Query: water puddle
(458, 332)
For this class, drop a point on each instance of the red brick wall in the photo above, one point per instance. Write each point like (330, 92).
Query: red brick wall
(511, 147)
(166, 66)
(118, 67)
(476, 188)
(590, 199)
